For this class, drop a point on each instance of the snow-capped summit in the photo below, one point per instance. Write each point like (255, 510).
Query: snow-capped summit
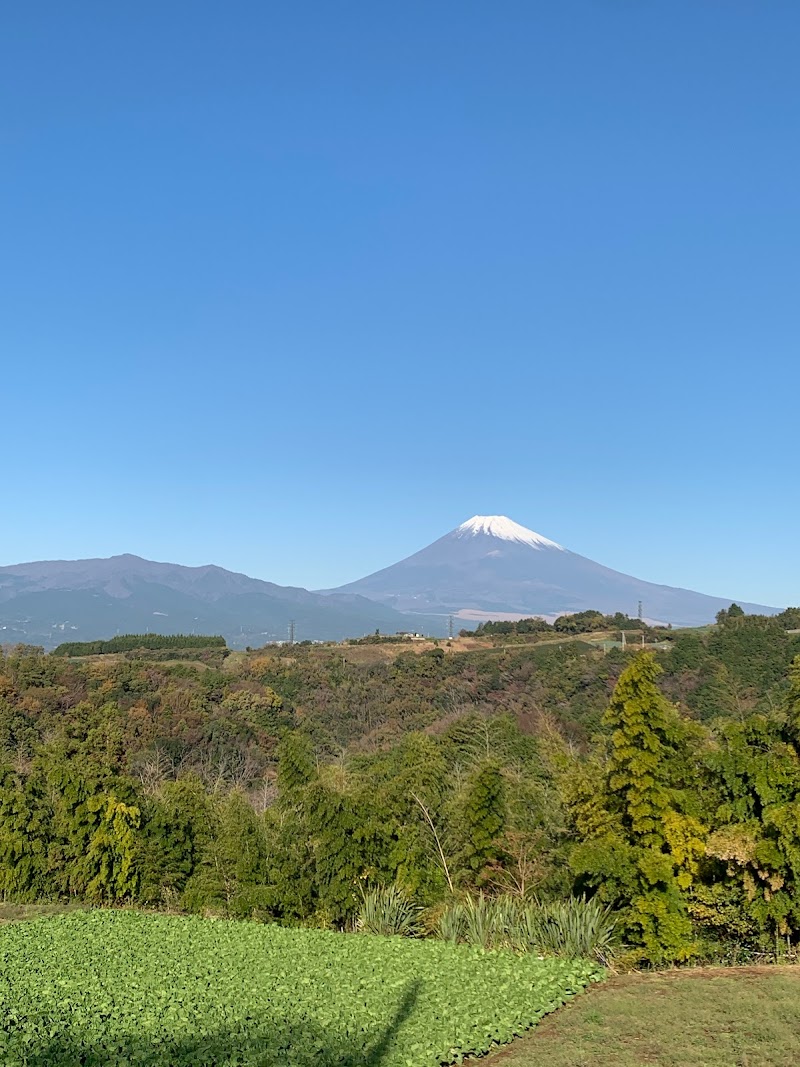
(491, 567)
(506, 529)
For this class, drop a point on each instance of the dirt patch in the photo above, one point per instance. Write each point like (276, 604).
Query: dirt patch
(744, 971)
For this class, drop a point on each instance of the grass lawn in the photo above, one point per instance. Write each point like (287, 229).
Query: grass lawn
(733, 1017)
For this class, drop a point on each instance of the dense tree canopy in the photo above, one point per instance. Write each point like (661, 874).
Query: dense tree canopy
(283, 782)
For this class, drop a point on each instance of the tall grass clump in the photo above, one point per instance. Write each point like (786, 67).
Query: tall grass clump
(387, 910)
(482, 921)
(450, 924)
(574, 928)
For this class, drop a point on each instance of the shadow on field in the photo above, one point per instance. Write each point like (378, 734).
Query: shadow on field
(286, 1044)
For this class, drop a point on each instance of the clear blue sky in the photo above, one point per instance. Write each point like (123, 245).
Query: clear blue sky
(297, 287)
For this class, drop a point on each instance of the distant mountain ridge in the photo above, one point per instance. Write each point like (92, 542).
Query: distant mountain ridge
(489, 567)
(48, 602)
(492, 565)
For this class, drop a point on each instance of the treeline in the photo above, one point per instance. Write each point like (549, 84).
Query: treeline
(581, 622)
(586, 622)
(666, 785)
(788, 619)
(132, 642)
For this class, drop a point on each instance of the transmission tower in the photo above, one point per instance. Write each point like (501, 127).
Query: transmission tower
(291, 632)
(641, 613)
(450, 627)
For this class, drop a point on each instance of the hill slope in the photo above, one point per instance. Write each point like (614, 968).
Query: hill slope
(45, 603)
(492, 564)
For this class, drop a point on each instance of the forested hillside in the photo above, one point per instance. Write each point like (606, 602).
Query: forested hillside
(284, 781)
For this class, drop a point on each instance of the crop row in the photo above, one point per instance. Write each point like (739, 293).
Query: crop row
(118, 988)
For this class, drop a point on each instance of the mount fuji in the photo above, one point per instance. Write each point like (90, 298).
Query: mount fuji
(491, 567)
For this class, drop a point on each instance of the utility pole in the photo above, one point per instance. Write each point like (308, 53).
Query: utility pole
(291, 632)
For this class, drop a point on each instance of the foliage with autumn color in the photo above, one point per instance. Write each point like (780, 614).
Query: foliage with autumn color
(288, 783)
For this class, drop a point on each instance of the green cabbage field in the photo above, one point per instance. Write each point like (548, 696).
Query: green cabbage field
(124, 988)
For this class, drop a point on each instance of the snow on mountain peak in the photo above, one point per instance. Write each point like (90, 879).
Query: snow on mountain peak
(506, 529)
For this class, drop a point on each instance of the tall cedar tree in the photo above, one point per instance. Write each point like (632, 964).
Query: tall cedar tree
(644, 858)
(644, 733)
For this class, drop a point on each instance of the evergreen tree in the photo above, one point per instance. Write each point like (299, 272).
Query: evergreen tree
(176, 831)
(109, 865)
(644, 732)
(231, 873)
(24, 836)
(484, 820)
(645, 853)
(296, 765)
(793, 704)
(405, 790)
(755, 846)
